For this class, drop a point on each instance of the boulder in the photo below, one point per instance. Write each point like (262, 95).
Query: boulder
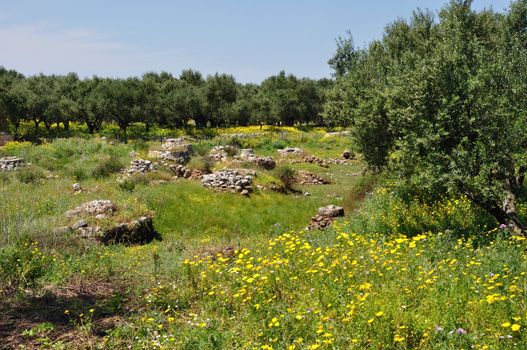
(331, 211)
(140, 231)
(247, 152)
(99, 208)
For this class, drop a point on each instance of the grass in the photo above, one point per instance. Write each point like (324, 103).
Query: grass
(241, 272)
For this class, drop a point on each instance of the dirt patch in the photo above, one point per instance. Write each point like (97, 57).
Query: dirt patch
(32, 321)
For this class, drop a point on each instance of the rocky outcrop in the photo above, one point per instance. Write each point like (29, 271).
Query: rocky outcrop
(140, 231)
(10, 163)
(140, 166)
(229, 180)
(99, 208)
(325, 216)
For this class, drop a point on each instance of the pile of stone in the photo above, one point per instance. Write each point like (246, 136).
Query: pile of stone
(10, 163)
(172, 143)
(221, 153)
(229, 180)
(308, 178)
(174, 152)
(140, 166)
(325, 216)
(291, 151)
(187, 173)
(99, 208)
(247, 154)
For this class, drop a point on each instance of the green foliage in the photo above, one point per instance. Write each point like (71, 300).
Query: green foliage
(30, 174)
(286, 174)
(107, 167)
(22, 264)
(203, 163)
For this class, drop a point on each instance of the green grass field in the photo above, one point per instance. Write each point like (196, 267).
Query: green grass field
(391, 275)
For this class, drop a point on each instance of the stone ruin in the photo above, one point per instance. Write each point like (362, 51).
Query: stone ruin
(303, 177)
(174, 152)
(172, 143)
(11, 163)
(325, 216)
(138, 231)
(99, 208)
(235, 181)
(140, 166)
(185, 172)
(247, 154)
(221, 153)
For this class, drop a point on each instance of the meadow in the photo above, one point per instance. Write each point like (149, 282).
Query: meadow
(236, 272)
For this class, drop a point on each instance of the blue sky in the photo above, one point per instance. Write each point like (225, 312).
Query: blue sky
(249, 39)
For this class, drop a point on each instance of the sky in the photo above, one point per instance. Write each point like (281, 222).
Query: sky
(249, 39)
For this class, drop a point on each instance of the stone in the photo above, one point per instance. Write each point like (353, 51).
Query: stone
(228, 180)
(307, 178)
(244, 192)
(267, 163)
(140, 166)
(140, 231)
(10, 163)
(79, 224)
(102, 207)
(331, 211)
(88, 231)
(247, 152)
(77, 188)
(221, 153)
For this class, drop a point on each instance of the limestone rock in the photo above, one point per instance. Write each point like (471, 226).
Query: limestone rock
(77, 188)
(331, 211)
(138, 231)
(10, 163)
(140, 166)
(100, 207)
(228, 180)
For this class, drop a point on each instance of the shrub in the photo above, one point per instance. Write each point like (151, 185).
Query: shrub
(286, 174)
(127, 185)
(205, 164)
(107, 167)
(30, 174)
(23, 264)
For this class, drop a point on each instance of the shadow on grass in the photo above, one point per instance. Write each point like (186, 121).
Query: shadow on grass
(61, 315)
